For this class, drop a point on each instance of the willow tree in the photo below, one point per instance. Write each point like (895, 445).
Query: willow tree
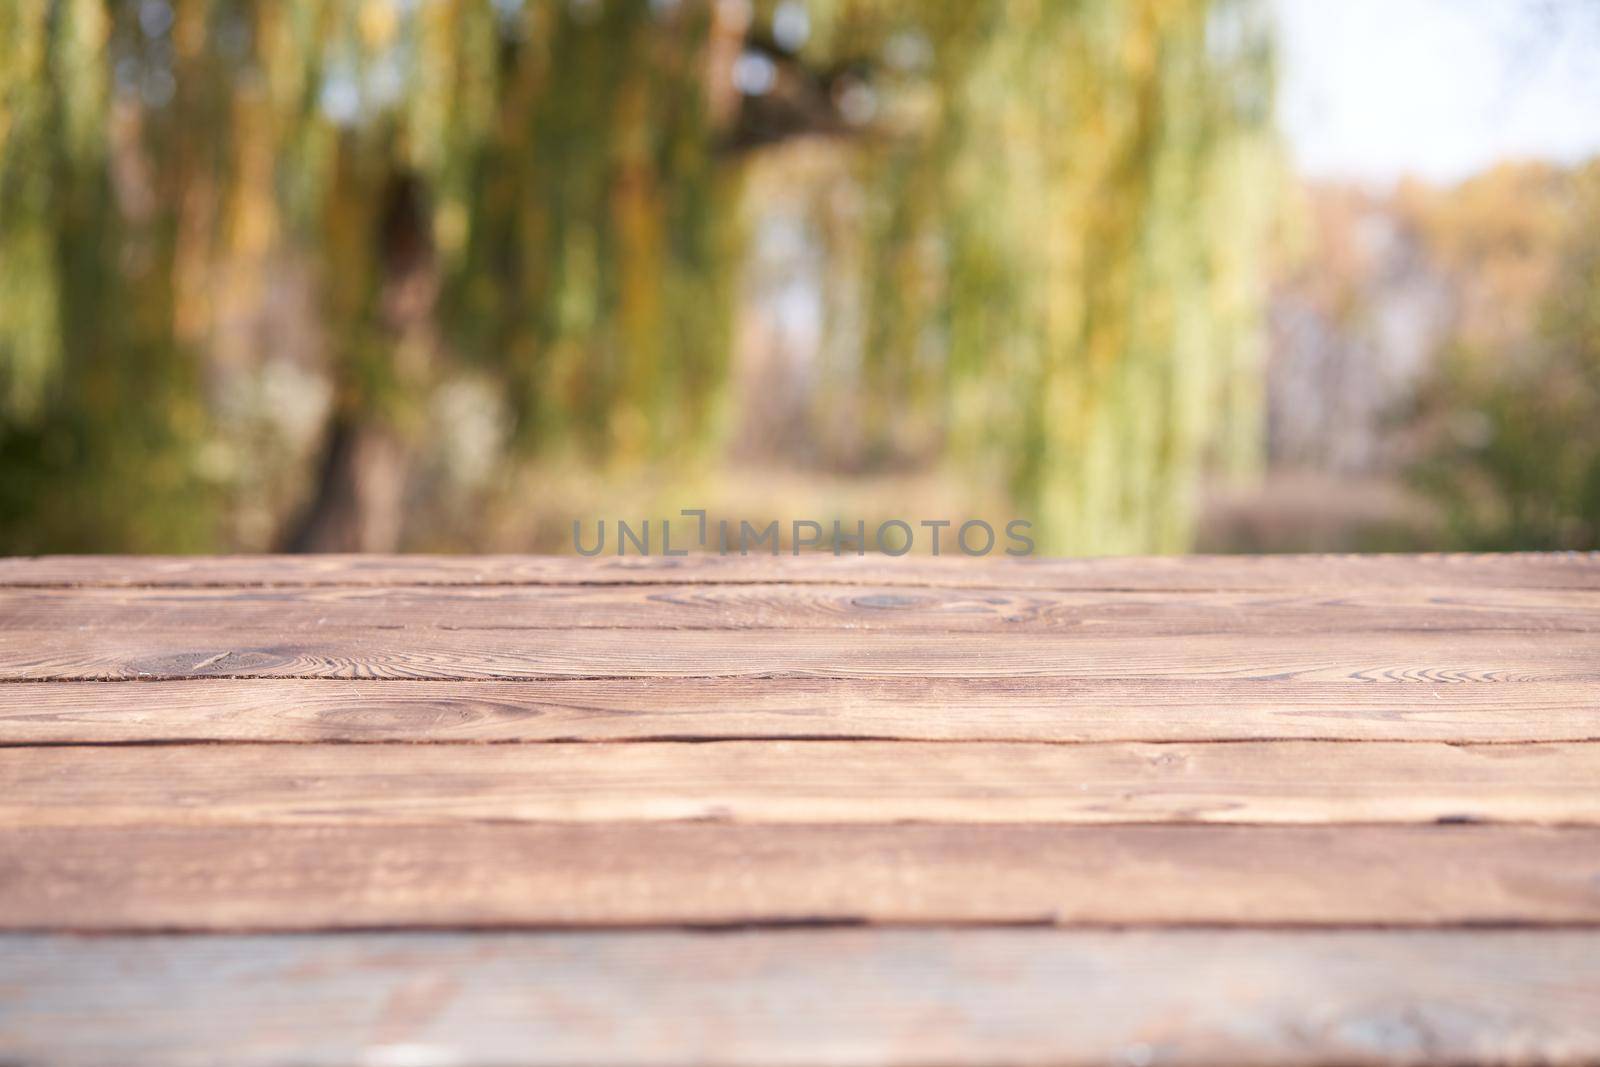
(532, 189)
(1056, 263)
(1069, 207)
(99, 413)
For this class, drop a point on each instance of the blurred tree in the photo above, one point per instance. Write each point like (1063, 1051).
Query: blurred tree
(1064, 207)
(1513, 454)
(100, 417)
(1092, 207)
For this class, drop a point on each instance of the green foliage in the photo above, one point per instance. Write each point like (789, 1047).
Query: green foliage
(99, 416)
(1058, 256)
(1516, 463)
(574, 220)
(597, 239)
(1072, 258)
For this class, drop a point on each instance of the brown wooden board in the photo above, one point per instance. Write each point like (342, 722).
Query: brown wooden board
(494, 874)
(1208, 810)
(313, 609)
(237, 652)
(800, 782)
(942, 709)
(907, 998)
(1532, 570)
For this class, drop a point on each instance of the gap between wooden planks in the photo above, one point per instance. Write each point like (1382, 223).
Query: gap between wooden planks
(814, 782)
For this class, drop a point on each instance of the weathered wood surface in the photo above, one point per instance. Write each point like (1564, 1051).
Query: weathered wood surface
(236, 652)
(1248, 810)
(798, 606)
(362, 876)
(1532, 570)
(788, 782)
(847, 998)
(929, 709)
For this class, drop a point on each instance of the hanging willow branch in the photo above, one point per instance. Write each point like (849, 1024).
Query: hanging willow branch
(1058, 253)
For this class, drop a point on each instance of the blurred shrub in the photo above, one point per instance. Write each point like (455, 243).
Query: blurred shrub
(1514, 413)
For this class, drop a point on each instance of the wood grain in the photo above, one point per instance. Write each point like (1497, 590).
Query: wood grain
(929, 709)
(307, 610)
(848, 998)
(811, 782)
(1531, 570)
(237, 652)
(675, 873)
(1250, 810)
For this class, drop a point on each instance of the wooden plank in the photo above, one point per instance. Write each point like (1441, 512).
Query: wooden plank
(931, 709)
(731, 606)
(675, 873)
(236, 652)
(1554, 570)
(837, 997)
(787, 782)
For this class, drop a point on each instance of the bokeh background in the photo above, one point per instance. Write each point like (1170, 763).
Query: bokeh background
(446, 275)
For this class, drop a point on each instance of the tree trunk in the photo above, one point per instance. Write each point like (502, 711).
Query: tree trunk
(360, 485)
(358, 504)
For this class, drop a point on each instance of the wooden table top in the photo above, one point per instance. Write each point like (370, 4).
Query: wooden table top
(441, 812)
